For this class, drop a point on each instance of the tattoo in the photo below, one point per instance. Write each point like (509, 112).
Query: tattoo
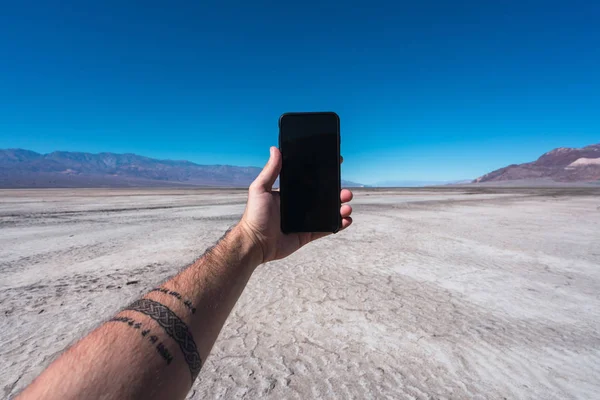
(174, 327)
(164, 352)
(160, 348)
(187, 303)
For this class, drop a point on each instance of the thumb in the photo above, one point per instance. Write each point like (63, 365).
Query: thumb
(270, 172)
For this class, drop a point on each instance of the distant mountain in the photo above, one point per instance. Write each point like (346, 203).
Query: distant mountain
(350, 184)
(27, 169)
(24, 168)
(408, 183)
(559, 165)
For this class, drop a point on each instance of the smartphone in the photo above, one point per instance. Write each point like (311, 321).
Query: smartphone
(310, 180)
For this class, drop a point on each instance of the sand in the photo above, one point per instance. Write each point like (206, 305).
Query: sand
(455, 293)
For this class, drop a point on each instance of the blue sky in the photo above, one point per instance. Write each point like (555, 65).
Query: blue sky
(425, 90)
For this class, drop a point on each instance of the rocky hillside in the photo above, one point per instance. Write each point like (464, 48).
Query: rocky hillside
(560, 165)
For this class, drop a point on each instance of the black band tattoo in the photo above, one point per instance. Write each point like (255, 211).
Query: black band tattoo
(186, 303)
(160, 347)
(174, 327)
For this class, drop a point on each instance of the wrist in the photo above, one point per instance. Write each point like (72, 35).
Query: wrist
(242, 242)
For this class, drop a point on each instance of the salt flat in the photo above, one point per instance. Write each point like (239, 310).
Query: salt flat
(454, 293)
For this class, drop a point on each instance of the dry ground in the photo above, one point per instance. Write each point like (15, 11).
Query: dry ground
(455, 293)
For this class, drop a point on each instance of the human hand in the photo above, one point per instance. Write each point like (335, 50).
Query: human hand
(261, 220)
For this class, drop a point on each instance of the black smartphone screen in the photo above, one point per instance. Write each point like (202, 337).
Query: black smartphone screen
(310, 174)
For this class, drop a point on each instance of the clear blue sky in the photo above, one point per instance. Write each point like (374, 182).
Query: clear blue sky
(425, 90)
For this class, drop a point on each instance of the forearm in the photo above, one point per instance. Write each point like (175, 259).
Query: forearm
(155, 347)
(211, 287)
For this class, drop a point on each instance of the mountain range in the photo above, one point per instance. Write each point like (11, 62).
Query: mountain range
(563, 164)
(27, 169)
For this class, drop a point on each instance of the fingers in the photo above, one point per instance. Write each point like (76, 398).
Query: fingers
(269, 174)
(345, 211)
(346, 222)
(346, 195)
(341, 159)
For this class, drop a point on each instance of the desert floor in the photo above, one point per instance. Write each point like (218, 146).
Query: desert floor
(455, 293)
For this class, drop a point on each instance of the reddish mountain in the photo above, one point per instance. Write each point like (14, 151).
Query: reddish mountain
(561, 165)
